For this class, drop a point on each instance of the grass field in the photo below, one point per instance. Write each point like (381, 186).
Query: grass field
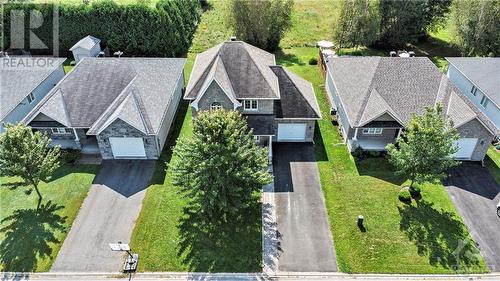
(492, 162)
(399, 238)
(30, 237)
(170, 240)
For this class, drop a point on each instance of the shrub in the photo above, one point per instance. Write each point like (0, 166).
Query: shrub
(136, 29)
(374, 153)
(404, 196)
(69, 156)
(313, 61)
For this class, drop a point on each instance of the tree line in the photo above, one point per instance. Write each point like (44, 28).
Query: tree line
(137, 29)
(395, 23)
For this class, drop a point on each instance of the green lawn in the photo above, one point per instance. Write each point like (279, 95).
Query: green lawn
(30, 237)
(492, 162)
(170, 239)
(399, 238)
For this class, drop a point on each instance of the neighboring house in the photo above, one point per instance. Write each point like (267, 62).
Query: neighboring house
(118, 107)
(479, 80)
(277, 104)
(88, 46)
(375, 97)
(24, 82)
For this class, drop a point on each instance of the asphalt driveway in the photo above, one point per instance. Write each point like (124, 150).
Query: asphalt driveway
(107, 216)
(306, 242)
(475, 193)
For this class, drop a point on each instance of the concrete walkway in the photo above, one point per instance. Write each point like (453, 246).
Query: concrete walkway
(303, 233)
(107, 216)
(184, 276)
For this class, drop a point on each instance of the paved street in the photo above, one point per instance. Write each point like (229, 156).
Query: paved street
(107, 216)
(475, 193)
(306, 242)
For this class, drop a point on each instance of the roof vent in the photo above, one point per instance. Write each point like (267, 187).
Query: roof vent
(232, 39)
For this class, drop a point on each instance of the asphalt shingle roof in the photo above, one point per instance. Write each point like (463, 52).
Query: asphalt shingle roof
(86, 43)
(19, 76)
(246, 67)
(370, 86)
(98, 90)
(483, 72)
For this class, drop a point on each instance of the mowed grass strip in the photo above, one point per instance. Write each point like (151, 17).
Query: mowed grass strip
(399, 238)
(492, 162)
(168, 240)
(30, 238)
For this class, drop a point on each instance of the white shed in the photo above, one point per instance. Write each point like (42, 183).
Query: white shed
(87, 47)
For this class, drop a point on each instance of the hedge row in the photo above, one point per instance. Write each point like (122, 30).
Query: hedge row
(137, 29)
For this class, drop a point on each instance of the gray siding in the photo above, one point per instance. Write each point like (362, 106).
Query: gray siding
(474, 129)
(22, 109)
(119, 129)
(169, 116)
(263, 107)
(347, 131)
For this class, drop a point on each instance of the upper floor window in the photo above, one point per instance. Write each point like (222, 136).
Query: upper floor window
(473, 90)
(372, 131)
(215, 106)
(484, 101)
(31, 98)
(60, 131)
(250, 105)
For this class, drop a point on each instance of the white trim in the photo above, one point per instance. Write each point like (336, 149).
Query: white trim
(377, 116)
(251, 105)
(76, 135)
(376, 131)
(57, 130)
(355, 134)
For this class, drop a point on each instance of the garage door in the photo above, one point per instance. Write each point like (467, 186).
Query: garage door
(127, 147)
(465, 148)
(292, 132)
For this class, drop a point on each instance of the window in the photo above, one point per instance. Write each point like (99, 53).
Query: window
(61, 131)
(250, 104)
(31, 98)
(372, 131)
(256, 138)
(215, 106)
(484, 101)
(473, 91)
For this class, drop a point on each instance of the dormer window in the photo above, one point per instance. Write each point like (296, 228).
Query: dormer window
(250, 105)
(215, 106)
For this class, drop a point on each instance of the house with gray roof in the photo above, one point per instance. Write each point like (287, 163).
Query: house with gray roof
(24, 82)
(479, 79)
(278, 105)
(88, 46)
(374, 98)
(116, 107)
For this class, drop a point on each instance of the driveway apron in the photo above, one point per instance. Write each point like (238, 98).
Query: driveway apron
(306, 242)
(107, 215)
(475, 194)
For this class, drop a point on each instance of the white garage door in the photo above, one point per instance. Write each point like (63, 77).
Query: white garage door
(292, 132)
(465, 148)
(127, 147)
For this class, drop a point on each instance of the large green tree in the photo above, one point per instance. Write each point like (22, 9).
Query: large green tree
(220, 167)
(357, 24)
(423, 152)
(28, 155)
(260, 23)
(476, 27)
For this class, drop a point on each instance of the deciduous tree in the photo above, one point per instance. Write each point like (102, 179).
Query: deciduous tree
(260, 23)
(423, 152)
(220, 167)
(27, 155)
(357, 23)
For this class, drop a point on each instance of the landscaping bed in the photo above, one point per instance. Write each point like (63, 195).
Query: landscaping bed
(30, 237)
